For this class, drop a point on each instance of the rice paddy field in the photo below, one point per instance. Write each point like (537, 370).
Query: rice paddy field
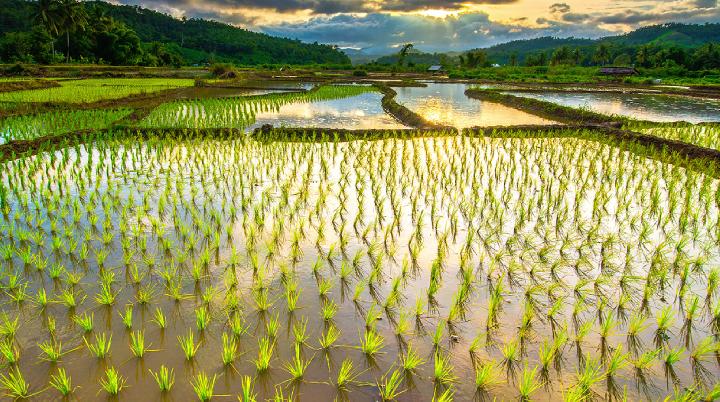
(704, 135)
(179, 255)
(93, 90)
(59, 122)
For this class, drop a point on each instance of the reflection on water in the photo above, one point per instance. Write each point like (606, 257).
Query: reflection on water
(212, 225)
(211, 92)
(447, 104)
(660, 108)
(358, 112)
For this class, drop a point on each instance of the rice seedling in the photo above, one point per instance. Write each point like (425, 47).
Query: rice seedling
(41, 298)
(410, 360)
(591, 374)
(51, 350)
(202, 319)
(300, 332)
(84, 321)
(617, 361)
(443, 372)
(204, 386)
(272, 327)
(71, 298)
(297, 366)
(113, 382)
(511, 354)
(229, 351)
(61, 382)
(528, 383)
(188, 346)
(247, 394)
(159, 318)
(101, 347)
(670, 359)
(371, 343)
(265, 352)
(127, 317)
(8, 327)
(329, 337)
(237, 325)
(137, 344)
(329, 309)
(664, 319)
(390, 386)
(164, 377)
(15, 385)
(487, 376)
(9, 351)
(446, 396)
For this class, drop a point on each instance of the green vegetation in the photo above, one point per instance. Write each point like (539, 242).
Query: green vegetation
(93, 90)
(707, 135)
(46, 30)
(238, 112)
(60, 122)
(502, 263)
(682, 54)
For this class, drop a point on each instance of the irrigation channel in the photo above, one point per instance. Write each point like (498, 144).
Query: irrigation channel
(352, 241)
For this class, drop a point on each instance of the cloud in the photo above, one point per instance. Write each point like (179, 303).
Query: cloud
(417, 5)
(381, 25)
(379, 32)
(326, 7)
(559, 8)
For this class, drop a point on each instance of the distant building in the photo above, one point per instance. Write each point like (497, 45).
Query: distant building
(612, 70)
(435, 69)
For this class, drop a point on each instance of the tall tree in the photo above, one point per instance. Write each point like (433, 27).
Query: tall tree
(404, 52)
(49, 15)
(74, 18)
(602, 54)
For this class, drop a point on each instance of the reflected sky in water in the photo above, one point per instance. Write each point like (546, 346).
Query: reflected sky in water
(659, 108)
(357, 112)
(447, 104)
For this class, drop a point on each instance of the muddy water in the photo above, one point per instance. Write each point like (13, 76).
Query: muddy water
(508, 210)
(447, 104)
(659, 108)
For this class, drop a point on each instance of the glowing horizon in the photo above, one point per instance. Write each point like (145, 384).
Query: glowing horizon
(436, 25)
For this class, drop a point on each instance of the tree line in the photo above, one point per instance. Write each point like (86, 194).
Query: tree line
(54, 31)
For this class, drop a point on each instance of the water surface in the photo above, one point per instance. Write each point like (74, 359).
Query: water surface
(659, 108)
(447, 104)
(358, 112)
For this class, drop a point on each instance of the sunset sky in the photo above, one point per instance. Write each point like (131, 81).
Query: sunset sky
(437, 25)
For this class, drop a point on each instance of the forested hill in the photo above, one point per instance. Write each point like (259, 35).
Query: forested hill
(224, 40)
(191, 41)
(668, 42)
(656, 36)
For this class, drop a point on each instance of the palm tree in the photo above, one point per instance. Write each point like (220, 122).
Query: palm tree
(602, 54)
(48, 15)
(74, 17)
(403, 53)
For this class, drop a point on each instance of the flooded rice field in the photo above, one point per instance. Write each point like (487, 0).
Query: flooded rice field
(398, 269)
(142, 263)
(657, 108)
(447, 104)
(362, 111)
(337, 106)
